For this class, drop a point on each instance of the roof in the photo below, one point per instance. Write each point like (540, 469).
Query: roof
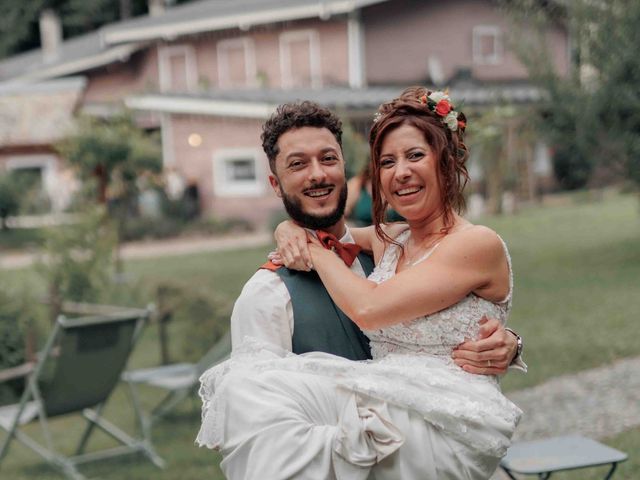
(261, 103)
(211, 15)
(117, 41)
(39, 114)
(78, 54)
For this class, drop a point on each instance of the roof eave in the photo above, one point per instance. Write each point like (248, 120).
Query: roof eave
(115, 54)
(244, 21)
(200, 106)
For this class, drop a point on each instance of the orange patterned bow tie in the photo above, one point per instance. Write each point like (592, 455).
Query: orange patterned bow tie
(346, 251)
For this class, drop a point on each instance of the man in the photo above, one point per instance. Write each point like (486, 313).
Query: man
(291, 309)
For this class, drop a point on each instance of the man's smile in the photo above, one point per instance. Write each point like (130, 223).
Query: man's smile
(318, 192)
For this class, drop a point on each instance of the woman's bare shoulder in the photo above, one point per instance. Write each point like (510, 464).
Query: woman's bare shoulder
(476, 241)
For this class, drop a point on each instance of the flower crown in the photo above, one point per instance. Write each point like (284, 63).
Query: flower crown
(440, 104)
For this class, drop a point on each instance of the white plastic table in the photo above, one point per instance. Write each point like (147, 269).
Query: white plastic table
(544, 457)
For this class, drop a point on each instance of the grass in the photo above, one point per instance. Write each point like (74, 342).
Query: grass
(576, 302)
(20, 238)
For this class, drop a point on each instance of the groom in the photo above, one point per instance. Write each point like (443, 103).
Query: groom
(292, 309)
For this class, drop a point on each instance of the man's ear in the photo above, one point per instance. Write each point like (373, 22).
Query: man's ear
(275, 184)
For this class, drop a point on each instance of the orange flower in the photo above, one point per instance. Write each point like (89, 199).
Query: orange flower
(461, 124)
(443, 108)
(423, 99)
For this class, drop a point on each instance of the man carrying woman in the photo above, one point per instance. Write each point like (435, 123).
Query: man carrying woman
(411, 412)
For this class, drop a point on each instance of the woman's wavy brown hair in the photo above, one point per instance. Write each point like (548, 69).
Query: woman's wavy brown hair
(448, 146)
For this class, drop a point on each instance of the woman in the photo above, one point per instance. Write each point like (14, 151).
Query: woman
(411, 412)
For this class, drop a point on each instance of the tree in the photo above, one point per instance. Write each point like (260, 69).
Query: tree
(111, 155)
(77, 260)
(592, 115)
(19, 20)
(9, 198)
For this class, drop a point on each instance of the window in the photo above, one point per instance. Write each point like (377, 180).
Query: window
(300, 59)
(177, 68)
(236, 62)
(238, 172)
(487, 45)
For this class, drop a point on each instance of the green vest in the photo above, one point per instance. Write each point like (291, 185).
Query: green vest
(318, 324)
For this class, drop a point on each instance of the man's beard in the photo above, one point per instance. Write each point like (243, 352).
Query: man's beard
(314, 222)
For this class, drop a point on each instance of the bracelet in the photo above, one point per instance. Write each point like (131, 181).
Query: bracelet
(519, 343)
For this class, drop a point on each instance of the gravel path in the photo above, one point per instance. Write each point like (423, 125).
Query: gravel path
(596, 403)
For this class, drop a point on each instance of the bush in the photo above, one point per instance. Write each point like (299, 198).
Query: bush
(9, 198)
(16, 320)
(200, 317)
(158, 228)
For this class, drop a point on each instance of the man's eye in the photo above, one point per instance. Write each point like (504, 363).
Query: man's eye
(330, 158)
(296, 164)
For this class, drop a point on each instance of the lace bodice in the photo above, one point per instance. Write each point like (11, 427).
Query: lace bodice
(436, 334)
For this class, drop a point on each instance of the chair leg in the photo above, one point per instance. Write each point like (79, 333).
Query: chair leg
(88, 431)
(167, 404)
(124, 438)
(61, 462)
(611, 471)
(143, 420)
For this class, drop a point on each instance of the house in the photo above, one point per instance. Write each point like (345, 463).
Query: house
(208, 73)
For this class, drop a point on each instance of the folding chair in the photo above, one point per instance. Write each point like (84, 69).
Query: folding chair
(178, 380)
(76, 373)
(547, 456)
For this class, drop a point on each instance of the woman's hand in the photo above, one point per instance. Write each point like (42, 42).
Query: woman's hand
(292, 246)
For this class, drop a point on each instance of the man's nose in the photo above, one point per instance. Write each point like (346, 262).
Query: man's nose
(316, 171)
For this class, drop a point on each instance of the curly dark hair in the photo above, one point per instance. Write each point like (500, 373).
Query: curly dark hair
(289, 116)
(448, 147)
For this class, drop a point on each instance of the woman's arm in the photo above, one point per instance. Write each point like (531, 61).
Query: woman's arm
(354, 185)
(444, 279)
(291, 241)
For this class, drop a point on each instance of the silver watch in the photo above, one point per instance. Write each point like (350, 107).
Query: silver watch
(519, 344)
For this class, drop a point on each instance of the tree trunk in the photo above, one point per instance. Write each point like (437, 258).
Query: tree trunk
(125, 9)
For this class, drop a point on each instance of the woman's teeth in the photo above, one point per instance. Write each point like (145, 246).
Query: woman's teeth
(408, 191)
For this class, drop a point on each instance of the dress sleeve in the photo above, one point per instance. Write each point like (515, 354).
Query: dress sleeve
(263, 311)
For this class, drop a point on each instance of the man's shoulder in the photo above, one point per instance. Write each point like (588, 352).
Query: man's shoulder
(262, 279)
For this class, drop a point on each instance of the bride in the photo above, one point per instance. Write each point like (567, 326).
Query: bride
(410, 413)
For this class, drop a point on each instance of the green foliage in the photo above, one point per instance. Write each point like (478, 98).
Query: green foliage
(77, 261)
(19, 20)
(355, 150)
(200, 317)
(17, 329)
(591, 115)
(114, 152)
(9, 198)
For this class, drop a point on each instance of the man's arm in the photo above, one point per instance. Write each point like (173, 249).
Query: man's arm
(263, 311)
(492, 354)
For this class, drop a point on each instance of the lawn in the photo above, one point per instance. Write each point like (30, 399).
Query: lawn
(576, 301)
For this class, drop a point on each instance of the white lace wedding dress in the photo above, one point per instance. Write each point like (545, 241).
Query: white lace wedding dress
(410, 413)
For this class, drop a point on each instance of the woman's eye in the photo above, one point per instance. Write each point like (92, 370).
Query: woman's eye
(416, 155)
(386, 163)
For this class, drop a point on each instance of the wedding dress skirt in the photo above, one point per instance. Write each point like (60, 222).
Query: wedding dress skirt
(410, 413)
